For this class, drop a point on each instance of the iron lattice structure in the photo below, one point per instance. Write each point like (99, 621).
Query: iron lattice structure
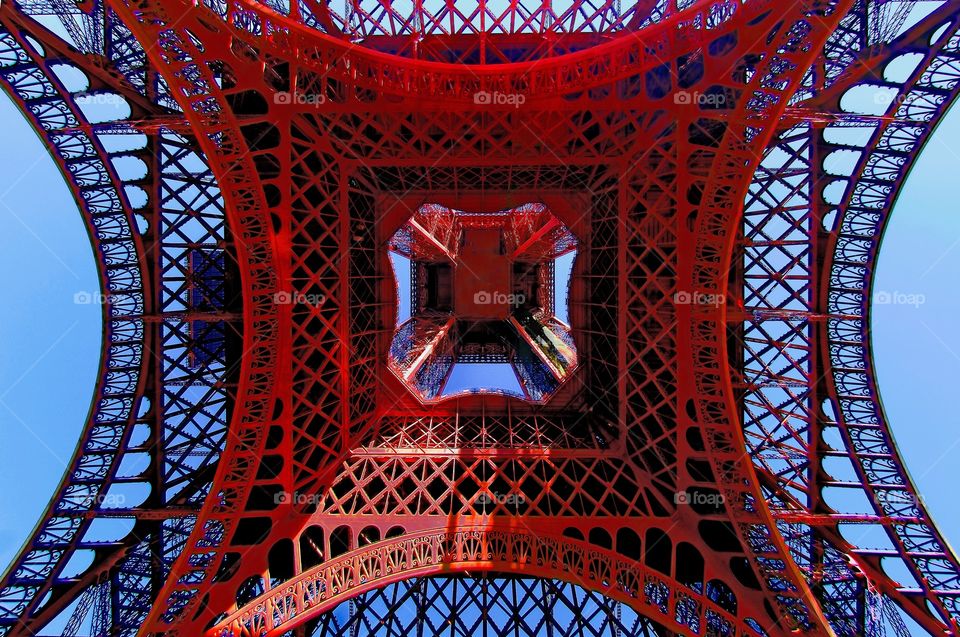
(717, 463)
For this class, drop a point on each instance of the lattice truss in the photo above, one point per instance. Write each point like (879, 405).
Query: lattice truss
(249, 468)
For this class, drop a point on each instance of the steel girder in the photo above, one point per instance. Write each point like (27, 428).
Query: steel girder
(921, 100)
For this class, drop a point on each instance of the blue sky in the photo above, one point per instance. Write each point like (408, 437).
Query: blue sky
(49, 346)
(917, 346)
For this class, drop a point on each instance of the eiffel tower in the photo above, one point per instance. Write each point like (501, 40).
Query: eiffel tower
(344, 210)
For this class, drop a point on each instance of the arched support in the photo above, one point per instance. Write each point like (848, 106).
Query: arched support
(864, 211)
(124, 294)
(516, 550)
(792, 350)
(713, 236)
(316, 427)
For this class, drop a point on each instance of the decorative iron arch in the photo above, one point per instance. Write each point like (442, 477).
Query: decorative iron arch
(517, 551)
(125, 297)
(861, 221)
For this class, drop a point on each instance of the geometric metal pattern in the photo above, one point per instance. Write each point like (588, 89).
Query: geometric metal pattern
(462, 606)
(251, 466)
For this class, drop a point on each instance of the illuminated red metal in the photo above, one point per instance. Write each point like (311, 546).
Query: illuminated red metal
(648, 457)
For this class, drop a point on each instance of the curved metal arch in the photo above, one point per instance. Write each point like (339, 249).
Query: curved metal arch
(204, 106)
(544, 32)
(188, 384)
(775, 81)
(569, 77)
(512, 550)
(779, 379)
(864, 212)
(125, 294)
(783, 290)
